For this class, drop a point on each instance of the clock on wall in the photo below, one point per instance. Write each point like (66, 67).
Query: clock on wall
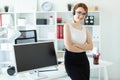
(46, 6)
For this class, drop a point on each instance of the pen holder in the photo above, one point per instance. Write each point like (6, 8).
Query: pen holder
(96, 58)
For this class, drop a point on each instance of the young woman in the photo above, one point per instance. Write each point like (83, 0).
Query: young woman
(77, 41)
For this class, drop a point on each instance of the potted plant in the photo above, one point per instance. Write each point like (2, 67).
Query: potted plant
(69, 6)
(6, 8)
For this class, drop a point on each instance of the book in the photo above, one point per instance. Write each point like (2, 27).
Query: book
(59, 31)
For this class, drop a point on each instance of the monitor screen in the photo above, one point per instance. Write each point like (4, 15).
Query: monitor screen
(36, 55)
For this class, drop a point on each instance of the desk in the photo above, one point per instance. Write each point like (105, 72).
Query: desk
(102, 65)
(51, 75)
(54, 75)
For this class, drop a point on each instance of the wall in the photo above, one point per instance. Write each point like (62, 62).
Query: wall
(110, 37)
(109, 33)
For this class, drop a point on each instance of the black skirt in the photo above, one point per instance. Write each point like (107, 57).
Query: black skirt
(77, 65)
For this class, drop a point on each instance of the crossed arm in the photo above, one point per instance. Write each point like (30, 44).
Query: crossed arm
(76, 47)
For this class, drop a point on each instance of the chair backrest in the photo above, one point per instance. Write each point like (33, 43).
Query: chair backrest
(26, 36)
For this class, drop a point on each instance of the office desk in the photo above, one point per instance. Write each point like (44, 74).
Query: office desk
(102, 65)
(51, 75)
(55, 75)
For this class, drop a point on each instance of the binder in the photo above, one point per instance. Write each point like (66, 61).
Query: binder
(59, 31)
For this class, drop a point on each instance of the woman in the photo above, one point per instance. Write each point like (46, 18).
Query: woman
(77, 41)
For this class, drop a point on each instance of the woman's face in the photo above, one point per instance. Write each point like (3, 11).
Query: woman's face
(80, 14)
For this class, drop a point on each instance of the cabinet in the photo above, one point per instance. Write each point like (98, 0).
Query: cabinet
(61, 17)
(95, 29)
(45, 29)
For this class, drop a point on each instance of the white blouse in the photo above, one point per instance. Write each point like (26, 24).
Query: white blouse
(78, 36)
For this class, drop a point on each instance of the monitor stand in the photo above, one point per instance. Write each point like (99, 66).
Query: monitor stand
(32, 75)
(36, 75)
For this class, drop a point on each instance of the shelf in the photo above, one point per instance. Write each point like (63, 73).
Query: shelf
(7, 12)
(47, 25)
(46, 39)
(60, 51)
(92, 25)
(26, 38)
(5, 51)
(5, 62)
(45, 12)
(25, 19)
(60, 23)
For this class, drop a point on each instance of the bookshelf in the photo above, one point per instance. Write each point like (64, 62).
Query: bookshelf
(94, 28)
(32, 16)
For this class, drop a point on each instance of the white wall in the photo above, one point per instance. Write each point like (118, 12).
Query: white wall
(110, 15)
(110, 36)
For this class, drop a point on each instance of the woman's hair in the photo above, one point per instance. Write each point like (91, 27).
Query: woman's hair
(84, 6)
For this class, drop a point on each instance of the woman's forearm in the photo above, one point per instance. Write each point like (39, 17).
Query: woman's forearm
(74, 48)
(84, 46)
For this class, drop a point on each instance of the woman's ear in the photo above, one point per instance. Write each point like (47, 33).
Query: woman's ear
(86, 15)
(73, 12)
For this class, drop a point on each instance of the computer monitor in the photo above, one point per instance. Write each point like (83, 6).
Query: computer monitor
(32, 56)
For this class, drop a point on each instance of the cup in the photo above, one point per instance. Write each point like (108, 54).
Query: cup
(95, 60)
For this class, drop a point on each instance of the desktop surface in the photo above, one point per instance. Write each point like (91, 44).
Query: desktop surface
(48, 75)
(60, 73)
